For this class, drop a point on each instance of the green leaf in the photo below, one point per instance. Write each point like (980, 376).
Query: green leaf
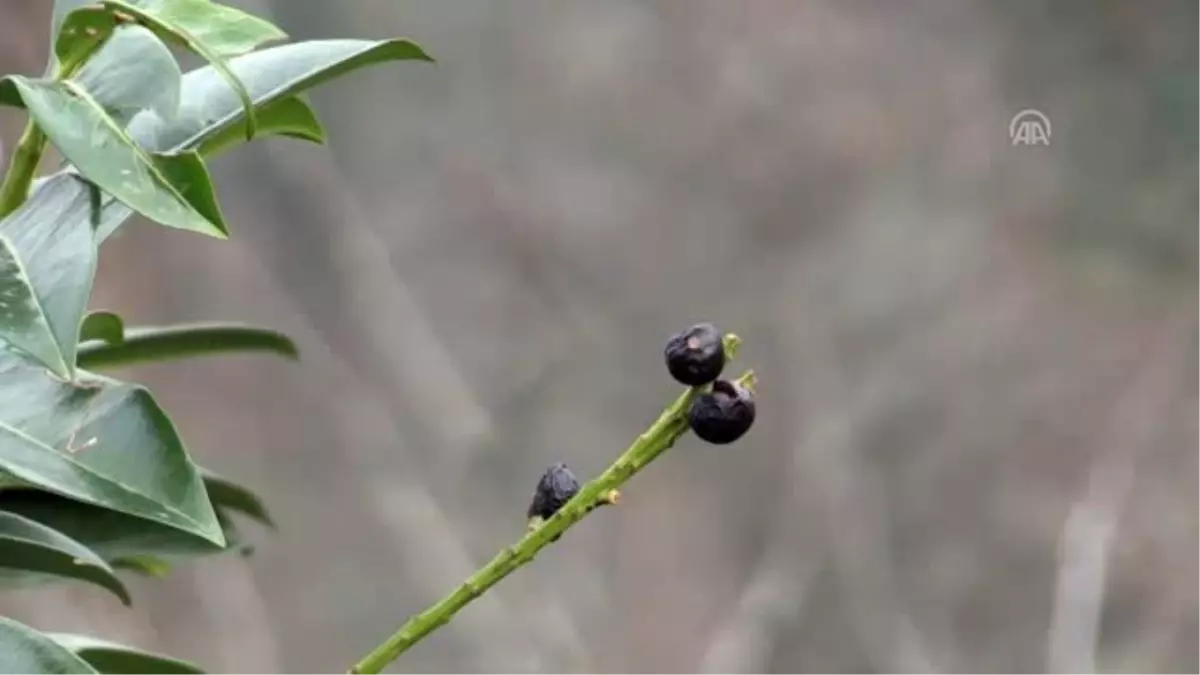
(218, 29)
(117, 537)
(103, 326)
(148, 565)
(226, 494)
(47, 264)
(83, 31)
(208, 105)
(31, 552)
(182, 341)
(127, 542)
(188, 174)
(290, 116)
(97, 146)
(110, 657)
(101, 442)
(212, 30)
(133, 71)
(62, 8)
(25, 650)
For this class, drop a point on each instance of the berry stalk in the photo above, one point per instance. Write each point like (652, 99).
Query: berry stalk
(668, 428)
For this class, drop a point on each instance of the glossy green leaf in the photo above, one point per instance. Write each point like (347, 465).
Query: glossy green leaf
(58, 16)
(291, 117)
(85, 134)
(25, 650)
(47, 264)
(183, 341)
(103, 326)
(218, 29)
(81, 34)
(208, 106)
(188, 174)
(118, 538)
(212, 30)
(31, 553)
(23, 322)
(110, 657)
(102, 442)
(133, 543)
(228, 495)
(133, 71)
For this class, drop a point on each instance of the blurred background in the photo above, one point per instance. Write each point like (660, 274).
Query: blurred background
(977, 438)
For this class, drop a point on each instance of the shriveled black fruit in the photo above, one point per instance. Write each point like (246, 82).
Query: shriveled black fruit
(556, 487)
(722, 415)
(696, 355)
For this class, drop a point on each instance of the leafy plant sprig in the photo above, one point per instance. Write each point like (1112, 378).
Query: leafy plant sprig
(94, 478)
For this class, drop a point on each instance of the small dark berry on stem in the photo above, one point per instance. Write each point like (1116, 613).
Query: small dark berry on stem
(722, 415)
(696, 356)
(556, 487)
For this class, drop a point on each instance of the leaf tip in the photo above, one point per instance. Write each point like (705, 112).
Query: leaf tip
(410, 50)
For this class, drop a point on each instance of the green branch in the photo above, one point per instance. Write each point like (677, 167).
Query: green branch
(669, 427)
(20, 172)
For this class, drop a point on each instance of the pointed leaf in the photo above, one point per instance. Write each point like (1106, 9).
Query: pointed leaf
(58, 16)
(32, 552)
(47, 264)
(110, 657)
(114, 536)
(102, 442)
(220, 30)
(83, 31)
(185, 340)
(208, 105)
(23, 322)
(226, 494)
(290, 116)
(187, 173)
(25, 650)
(103, 326)
(212, 30)
(85, 134)
(133, 71)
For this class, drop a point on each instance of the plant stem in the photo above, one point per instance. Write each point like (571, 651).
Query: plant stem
(20, 172)
(669, 427)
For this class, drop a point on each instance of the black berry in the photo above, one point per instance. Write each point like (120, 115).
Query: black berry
(556, 487)
(722, 415)
(696, 356)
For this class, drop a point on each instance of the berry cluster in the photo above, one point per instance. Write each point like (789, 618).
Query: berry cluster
(695, 357)
(720, 415)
